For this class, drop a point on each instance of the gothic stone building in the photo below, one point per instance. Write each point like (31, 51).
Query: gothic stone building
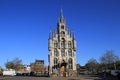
(62, 50)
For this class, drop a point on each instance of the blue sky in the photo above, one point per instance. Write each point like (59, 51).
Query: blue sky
(25, 26)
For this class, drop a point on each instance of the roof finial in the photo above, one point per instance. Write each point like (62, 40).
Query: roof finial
(61, 19)
(61, 13)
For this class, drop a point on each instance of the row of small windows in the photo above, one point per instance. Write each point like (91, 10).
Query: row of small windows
(56, 53)
(63, 44)
(70, 63)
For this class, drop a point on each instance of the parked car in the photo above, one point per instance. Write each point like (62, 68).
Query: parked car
(87, 72)
(32, 73)
(39, 73)
(46, 74)
(118, 76)
(115, 72)
(23, 73)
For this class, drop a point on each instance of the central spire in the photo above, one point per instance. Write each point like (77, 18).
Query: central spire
(61, 13)
(61, 19)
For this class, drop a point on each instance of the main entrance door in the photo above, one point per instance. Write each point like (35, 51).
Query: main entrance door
(63, 69)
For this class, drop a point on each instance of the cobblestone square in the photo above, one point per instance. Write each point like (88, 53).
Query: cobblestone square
(49, 78)
(80, 77)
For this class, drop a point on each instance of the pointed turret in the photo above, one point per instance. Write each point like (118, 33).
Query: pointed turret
(61, 25)
(74, 42)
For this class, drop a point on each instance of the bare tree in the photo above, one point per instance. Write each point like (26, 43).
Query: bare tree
(108, 59)
(1, 69)
(14, 64)
(9, 65)
(92, 65)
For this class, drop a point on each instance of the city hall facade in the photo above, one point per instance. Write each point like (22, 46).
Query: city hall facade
(62, 50)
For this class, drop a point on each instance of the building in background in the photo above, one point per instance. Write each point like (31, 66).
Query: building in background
(24, 70)
(37, 67)
(78, 69)
(62, 50)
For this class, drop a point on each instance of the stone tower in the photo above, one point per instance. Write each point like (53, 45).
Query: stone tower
(62, 50)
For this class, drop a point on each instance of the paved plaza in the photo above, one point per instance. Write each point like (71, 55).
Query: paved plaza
(80, 77)
(49, 78)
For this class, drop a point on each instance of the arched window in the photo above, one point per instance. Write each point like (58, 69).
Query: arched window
(56, 52)
(63, 43)
(62, 33)
(55, 44)
(70, 62)
(62, 52)
(62, 27)
(55, 63)
(70, 52)
(69, 44)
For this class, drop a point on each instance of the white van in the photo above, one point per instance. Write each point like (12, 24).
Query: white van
(9, 72)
